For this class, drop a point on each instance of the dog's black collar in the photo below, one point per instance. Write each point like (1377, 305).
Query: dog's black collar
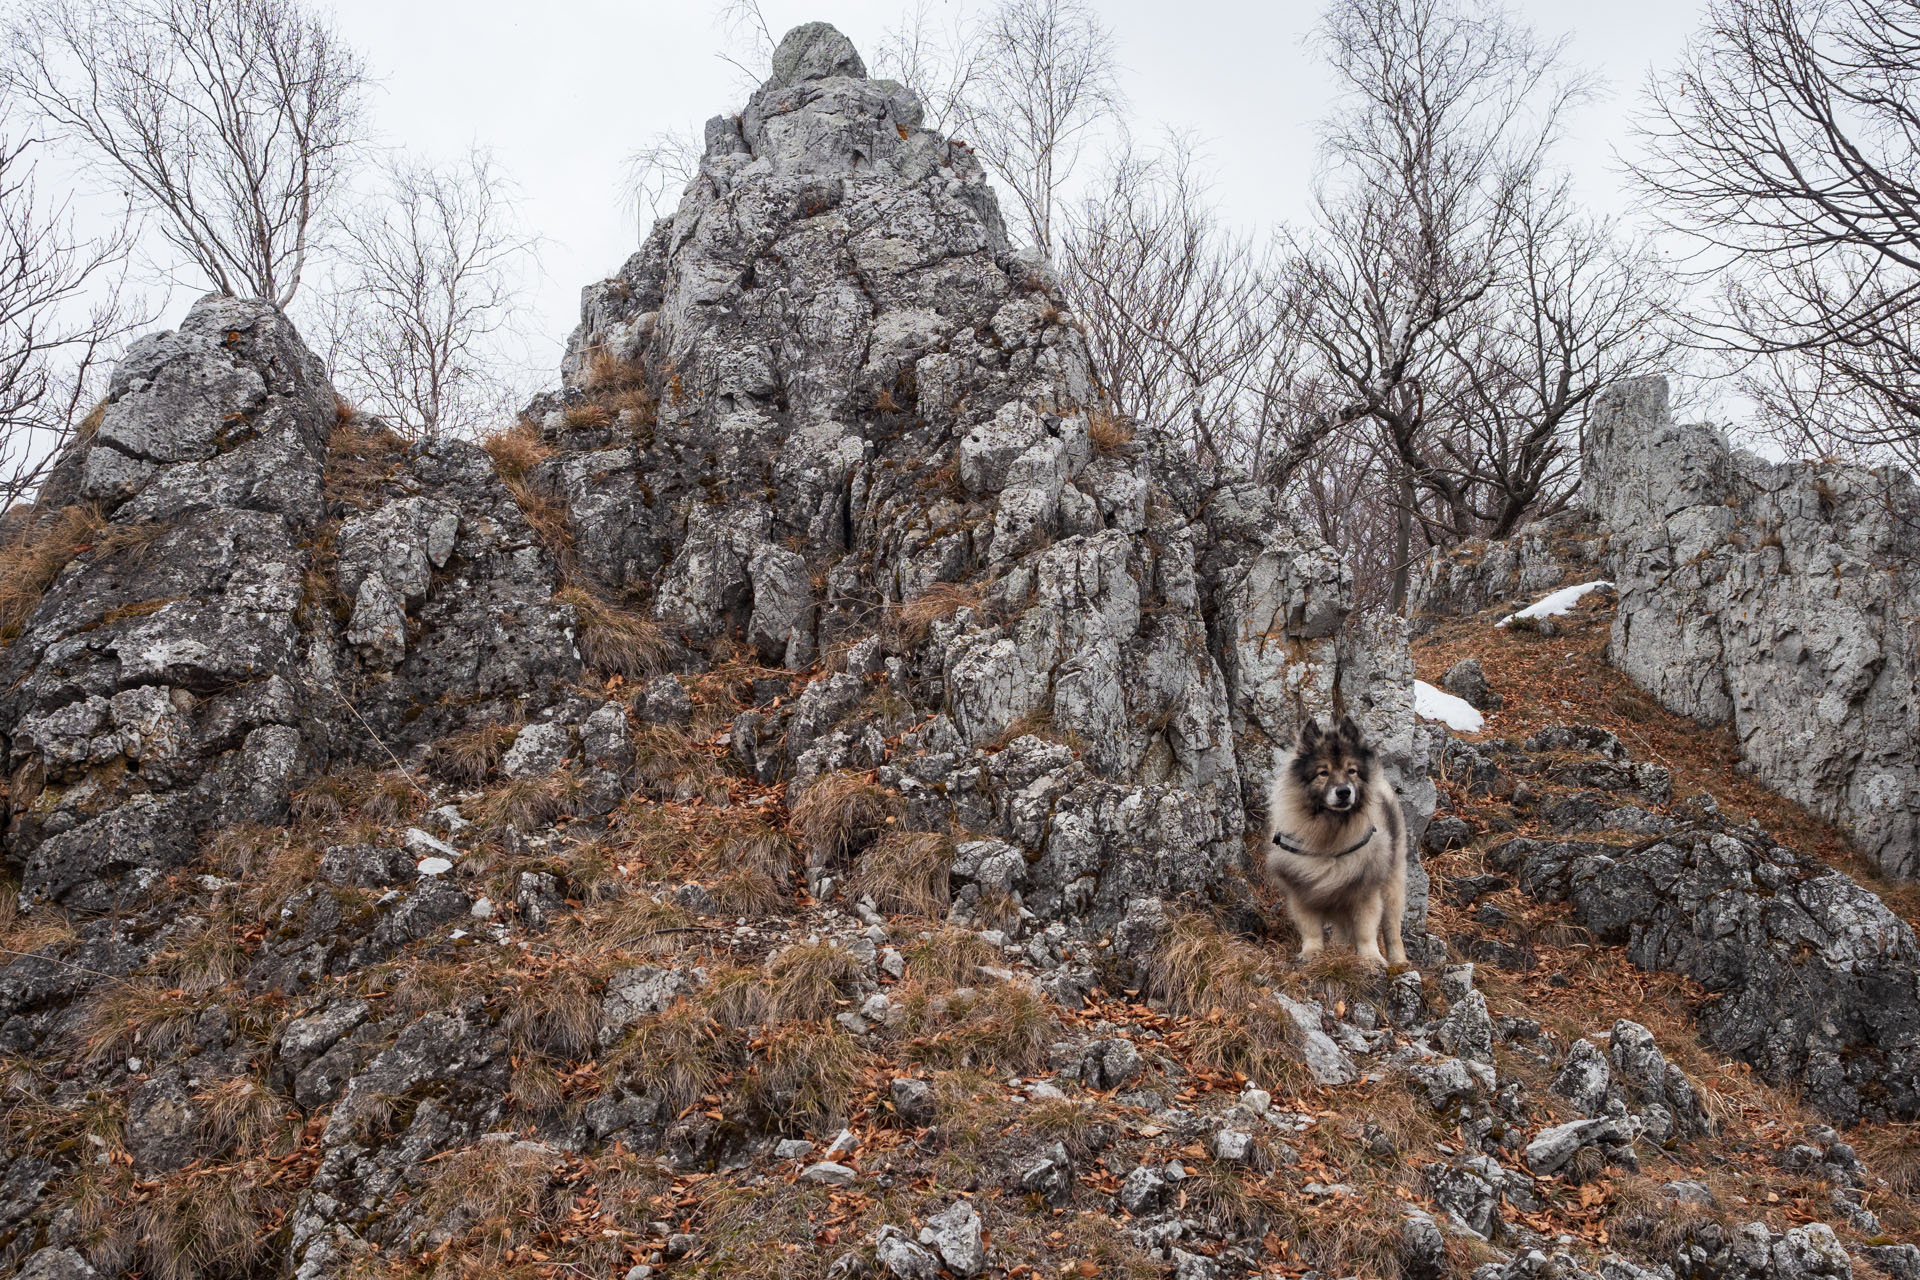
(1355, 847)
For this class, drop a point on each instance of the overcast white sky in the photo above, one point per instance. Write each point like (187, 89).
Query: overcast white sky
(563, 91)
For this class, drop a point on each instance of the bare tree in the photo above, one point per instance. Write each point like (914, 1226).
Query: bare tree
(1175, 306)
(428, 277)
(62, 314)
(657, 172)
(1044, 80)
(939, 61)
(1449, 109)
(1579, 308)
(1787, 146)
(230, 120)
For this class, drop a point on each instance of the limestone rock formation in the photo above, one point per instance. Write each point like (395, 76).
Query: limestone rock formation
(870, 414)
(1780, 598)
(1814, 981)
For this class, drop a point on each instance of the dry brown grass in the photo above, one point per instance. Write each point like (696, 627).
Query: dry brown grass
(840, 814)
(1226, 987)
(205, 1225)
(950, 957)
(905, 872)
(737, 996)
(556, 1015)
(31, 562)
(1567, 680)
(494, 1194)
(915, 619)
(681, 1053)
(140, 1017)
(1005, 1027)
(362, 456)
(667, 763)
(804, 1076)
(527, 804)
(810, 980)
(468, 758)
(517, 450)
(1110, 436)
(243, 1115)
(615, 641)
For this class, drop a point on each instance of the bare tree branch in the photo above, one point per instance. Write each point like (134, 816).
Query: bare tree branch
(230, 120)
(63, 313)
(428, 276)
(1787, 148)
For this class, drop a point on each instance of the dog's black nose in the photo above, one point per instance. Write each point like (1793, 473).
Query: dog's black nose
(1343, 794)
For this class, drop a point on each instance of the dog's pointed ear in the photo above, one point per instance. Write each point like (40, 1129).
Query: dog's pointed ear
(1350, 732)
(1310, 734)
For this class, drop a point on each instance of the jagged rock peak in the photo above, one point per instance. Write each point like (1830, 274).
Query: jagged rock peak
(814, 51)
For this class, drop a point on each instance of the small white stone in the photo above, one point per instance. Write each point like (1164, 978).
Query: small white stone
(425, 844)
(482, 909)
(433, 866)
(134, 1065)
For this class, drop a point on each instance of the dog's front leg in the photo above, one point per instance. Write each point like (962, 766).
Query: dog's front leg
(1366, 928)
(1311, 925)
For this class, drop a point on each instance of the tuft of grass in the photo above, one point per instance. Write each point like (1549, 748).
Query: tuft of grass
(804, 1076)
(915, 619)
(680, 1054)
(31, 561)
(1109, 435)
(840, 815)
(737, 996)
(243, 1115)
(362, 455)
(615, 641)
(905, 872)
(469, 757)
(526, 804)
(1225, 986)
(129, 1015)
(517, 450)
(205, 1224)
(949, 957)
(810, 980)
(491, 1197)
(1005, 1027)
(556, 1015)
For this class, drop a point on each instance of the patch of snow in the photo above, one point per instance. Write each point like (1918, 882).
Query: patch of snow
(1561, 601)
(1458, 714)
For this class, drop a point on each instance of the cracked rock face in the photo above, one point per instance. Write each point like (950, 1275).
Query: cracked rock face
(1779, 598)
(159, 689)
(1816, 982)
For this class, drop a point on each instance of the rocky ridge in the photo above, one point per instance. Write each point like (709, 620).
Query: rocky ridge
(1778, 598)
(774, 811)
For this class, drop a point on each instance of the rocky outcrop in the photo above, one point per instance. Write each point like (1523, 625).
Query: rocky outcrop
(160, 687)
(1478, 576)
(236, 626)
(1779, 598)
(1812, 979)
(864, 412)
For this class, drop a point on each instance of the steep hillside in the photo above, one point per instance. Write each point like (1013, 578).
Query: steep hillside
(782, 809)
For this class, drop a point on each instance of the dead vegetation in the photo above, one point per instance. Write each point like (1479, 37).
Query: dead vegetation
(914, 620)
(905, 873)
(840, 814)
(614, 641)
(33, 559)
